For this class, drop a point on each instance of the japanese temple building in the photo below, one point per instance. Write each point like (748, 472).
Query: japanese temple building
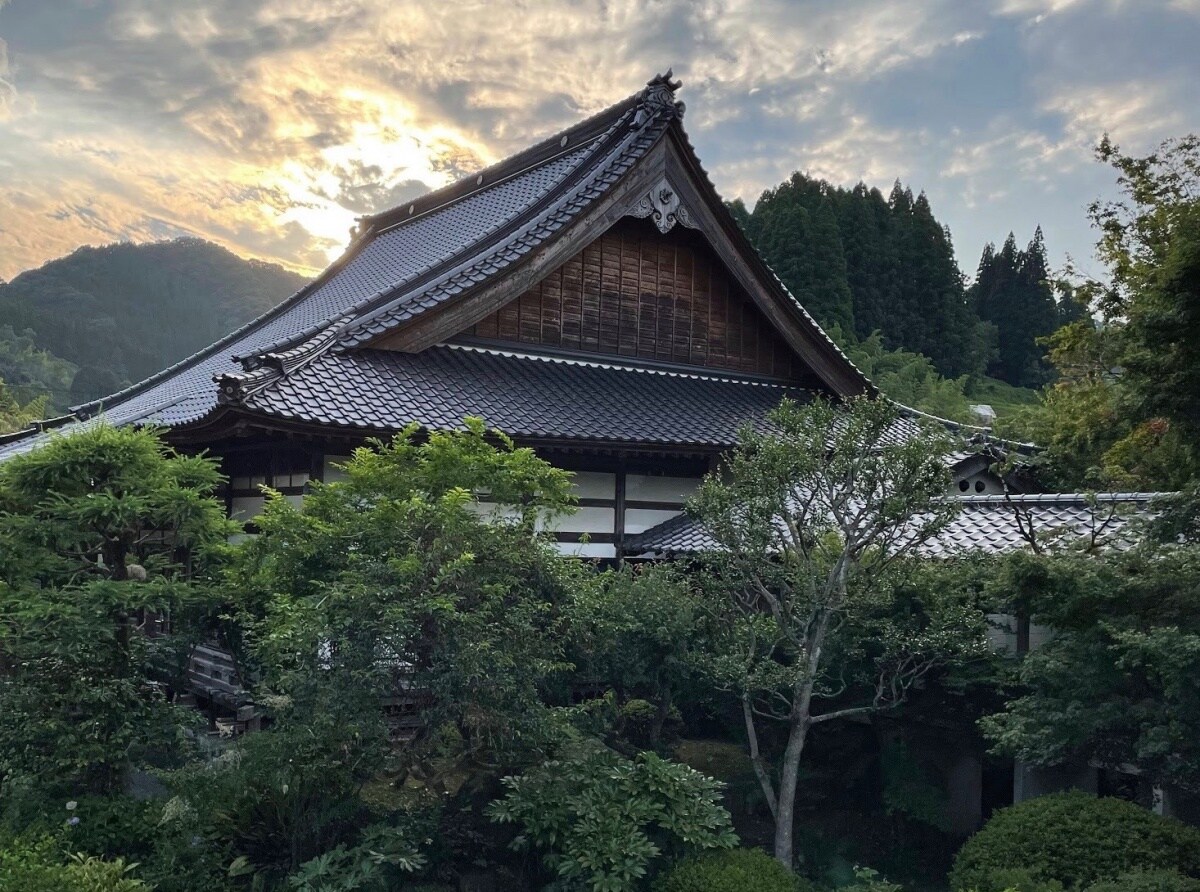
(592, 297)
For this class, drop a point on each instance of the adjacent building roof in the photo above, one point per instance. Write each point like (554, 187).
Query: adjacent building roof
(309, 359)
(985, 525)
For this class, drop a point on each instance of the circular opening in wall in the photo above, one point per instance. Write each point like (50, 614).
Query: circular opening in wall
(964, 485)
(980, 486)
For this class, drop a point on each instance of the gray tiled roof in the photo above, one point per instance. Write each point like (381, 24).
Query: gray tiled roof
(526, 396)
(402, 263)
(308, 360)
(986, 524)
(379, 268)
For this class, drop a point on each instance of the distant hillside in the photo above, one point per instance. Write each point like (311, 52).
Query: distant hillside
(123, 312)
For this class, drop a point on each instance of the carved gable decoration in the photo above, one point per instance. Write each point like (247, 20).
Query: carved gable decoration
(663, 206)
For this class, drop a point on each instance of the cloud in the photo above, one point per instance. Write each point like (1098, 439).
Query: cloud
(8, 92)
(269, 126)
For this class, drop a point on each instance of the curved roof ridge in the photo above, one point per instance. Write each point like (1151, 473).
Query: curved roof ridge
(506, 248)
(513, 165)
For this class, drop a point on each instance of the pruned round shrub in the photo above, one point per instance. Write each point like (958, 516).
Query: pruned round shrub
(1075, 839)
(732, 870)
(1148, 881)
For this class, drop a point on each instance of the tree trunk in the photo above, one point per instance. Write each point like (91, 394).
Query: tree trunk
(756, 759)
(662, 712)
(789, 779)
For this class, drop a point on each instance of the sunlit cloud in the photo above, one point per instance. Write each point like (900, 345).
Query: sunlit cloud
(268, 127)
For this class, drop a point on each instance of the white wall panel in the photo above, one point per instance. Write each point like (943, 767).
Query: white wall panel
(587, 550)
(246, 508)
(595, 485)
(638, 520)
(587, 520)
(643, 488)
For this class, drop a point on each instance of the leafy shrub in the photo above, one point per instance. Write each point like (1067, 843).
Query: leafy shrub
(378, 862)
(867, 879)
(602, 821)
(1076, 839)
(111, 826)
(1148, 881)
(637, 717)
(732, 870)
(1021, 879)
(36, 866)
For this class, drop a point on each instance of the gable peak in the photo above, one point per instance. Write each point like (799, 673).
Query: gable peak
(659, 94)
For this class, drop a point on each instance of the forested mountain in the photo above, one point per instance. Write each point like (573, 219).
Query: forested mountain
(861, 262)
(122, 312)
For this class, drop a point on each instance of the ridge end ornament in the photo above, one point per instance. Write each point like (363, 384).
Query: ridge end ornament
(662, 205)
(659, 93)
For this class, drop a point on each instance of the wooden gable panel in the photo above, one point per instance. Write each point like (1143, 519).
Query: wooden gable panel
(637, 293)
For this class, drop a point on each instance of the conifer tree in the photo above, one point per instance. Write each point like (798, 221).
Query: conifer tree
(1012, 291)
(796, 230)
(871, 272)
(867, 264)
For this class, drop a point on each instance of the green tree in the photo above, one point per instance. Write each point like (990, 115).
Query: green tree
(1013, 292)
(401, 587)
(871, 261)
(15, 416)
(604, 822)
(1115, 685)
(862, 263)
(33, 374)
(812, 518)
(636, 629)
(796, 229)
(931, 305)
(1126, 408)
(911, 379)
(102, 533)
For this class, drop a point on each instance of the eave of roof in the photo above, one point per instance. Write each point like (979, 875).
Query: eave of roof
(987, 524)
(527, 396)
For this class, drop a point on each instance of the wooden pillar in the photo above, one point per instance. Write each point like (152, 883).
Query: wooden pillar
(619, 514)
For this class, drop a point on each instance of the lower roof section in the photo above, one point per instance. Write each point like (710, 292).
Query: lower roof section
(527, 397)
(986, 524)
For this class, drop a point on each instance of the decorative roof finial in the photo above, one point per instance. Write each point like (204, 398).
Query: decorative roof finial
(660, 93)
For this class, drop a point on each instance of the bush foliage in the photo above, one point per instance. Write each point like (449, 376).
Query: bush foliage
(1148, 881)
(1075, 839)
(603, 822)
(733, 870)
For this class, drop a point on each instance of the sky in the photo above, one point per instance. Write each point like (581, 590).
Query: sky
(267, 126)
